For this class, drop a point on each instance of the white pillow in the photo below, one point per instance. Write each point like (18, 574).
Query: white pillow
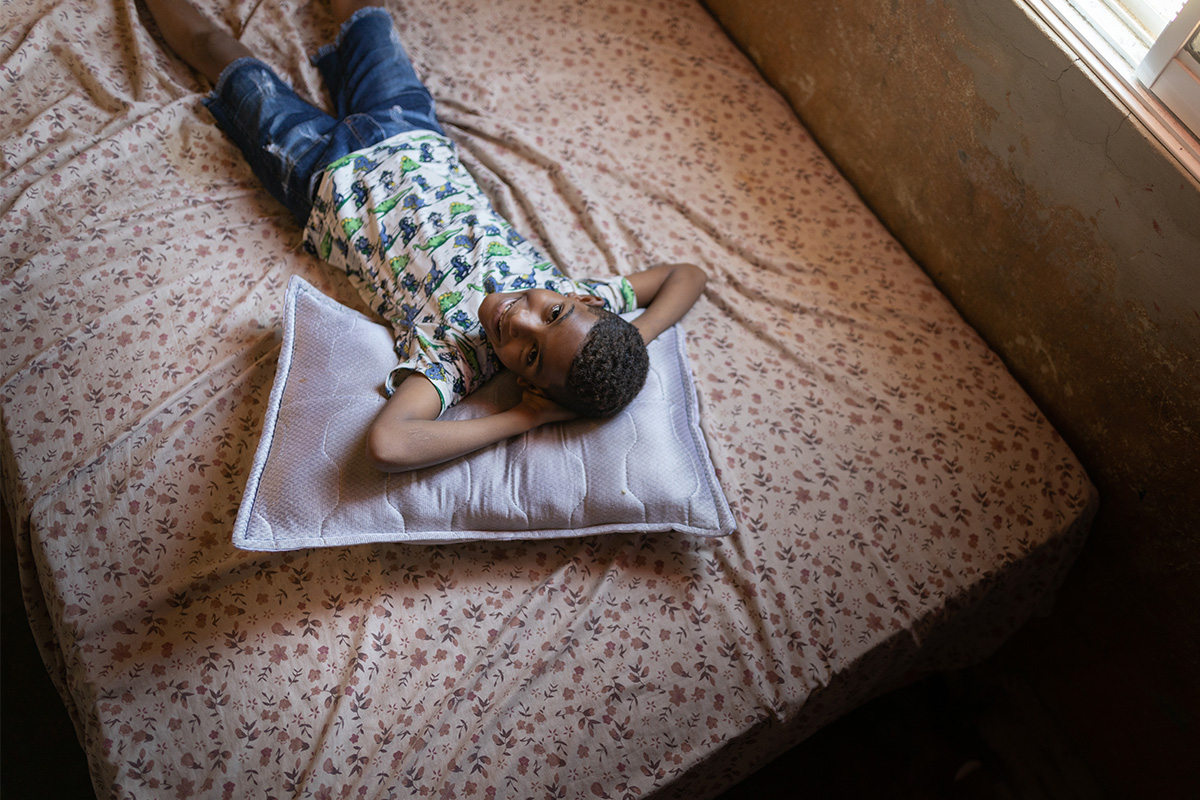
(645, 469)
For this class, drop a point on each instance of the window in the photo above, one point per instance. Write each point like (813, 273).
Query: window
(1171, 67)
(1148, 53)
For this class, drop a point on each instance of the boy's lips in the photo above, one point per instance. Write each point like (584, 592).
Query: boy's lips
(499, 321)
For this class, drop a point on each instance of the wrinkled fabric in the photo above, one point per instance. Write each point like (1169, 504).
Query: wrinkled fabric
(902, 504)
(423, 245)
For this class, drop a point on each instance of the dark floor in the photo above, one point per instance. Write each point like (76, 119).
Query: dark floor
(40, 756)
(978, 734)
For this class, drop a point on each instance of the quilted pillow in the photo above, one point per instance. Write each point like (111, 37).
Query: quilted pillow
(646, 469)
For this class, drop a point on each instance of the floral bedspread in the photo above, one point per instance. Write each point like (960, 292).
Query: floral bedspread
(902, 504)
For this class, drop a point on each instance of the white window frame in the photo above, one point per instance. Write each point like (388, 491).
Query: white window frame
(1171, 72)
(1113, 43)
(1143, 18)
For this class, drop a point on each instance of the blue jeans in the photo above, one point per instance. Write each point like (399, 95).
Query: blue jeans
(288, 141)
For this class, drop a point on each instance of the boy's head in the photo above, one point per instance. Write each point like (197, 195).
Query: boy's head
(581, 355)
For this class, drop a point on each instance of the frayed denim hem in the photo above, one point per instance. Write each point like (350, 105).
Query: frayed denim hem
(331, 47)
(223, 78)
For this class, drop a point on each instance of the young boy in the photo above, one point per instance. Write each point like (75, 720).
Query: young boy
(382, 194)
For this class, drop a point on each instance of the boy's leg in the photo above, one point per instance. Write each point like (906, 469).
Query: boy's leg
(286, 140)
(344, 9)
(371, 78)
(204, 46)
(281, 135)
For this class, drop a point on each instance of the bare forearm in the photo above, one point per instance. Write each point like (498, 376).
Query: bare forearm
(407, 434)
(666, 292)
(415, 443)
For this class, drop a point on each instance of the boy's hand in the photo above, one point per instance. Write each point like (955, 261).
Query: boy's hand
(542, 410)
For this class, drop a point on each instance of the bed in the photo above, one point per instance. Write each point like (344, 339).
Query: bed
(901, 505)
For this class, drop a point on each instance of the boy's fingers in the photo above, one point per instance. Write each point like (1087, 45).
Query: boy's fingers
(530, 388)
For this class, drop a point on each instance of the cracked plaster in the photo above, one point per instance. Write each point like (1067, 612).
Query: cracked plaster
(1051, 218)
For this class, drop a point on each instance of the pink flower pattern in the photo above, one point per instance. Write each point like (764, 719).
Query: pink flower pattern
(902, 504)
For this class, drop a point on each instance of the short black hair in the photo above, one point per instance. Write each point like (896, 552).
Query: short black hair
(608, 371)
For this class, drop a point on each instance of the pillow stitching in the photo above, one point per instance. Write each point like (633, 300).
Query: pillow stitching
(625, 464)
(339, 331)
(303, 291)
(514, 500)
(688, 444)
(274, 399)
(583, 498)
(470, 482)
(692, 407)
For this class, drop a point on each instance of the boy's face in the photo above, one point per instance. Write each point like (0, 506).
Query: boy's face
(537, 333)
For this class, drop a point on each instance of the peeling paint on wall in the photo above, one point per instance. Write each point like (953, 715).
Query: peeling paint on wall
(1060, 229)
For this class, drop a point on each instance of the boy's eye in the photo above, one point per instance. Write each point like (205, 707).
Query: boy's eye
(529, 359)
(555, 312)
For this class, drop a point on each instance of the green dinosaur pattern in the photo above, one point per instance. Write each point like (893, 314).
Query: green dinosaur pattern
(424, 246)
(448, 301)
(387, 205)
(399, 263)
(437, 241)
(458, 209)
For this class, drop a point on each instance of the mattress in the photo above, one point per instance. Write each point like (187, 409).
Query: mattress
(901, 504)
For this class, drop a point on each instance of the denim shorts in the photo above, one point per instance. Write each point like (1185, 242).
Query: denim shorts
(288, 141)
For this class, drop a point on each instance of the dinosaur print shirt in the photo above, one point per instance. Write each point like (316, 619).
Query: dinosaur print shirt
(424, 246)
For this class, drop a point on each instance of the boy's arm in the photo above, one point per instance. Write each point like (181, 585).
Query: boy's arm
(407, 434)
(666, 292)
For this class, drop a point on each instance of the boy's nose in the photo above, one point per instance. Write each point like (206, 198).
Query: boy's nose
(521, 319)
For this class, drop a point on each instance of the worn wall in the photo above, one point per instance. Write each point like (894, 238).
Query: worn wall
(1069, 238)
